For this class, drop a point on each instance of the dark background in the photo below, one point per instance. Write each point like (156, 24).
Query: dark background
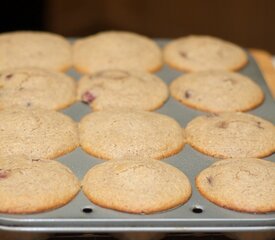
(247, 23)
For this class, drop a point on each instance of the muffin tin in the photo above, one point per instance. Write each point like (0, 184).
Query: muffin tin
(197, 215)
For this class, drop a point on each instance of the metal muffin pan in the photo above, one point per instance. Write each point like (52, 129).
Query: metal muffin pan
(197, 215)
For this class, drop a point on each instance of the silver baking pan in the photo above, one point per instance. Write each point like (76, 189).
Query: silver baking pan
(197, 215)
